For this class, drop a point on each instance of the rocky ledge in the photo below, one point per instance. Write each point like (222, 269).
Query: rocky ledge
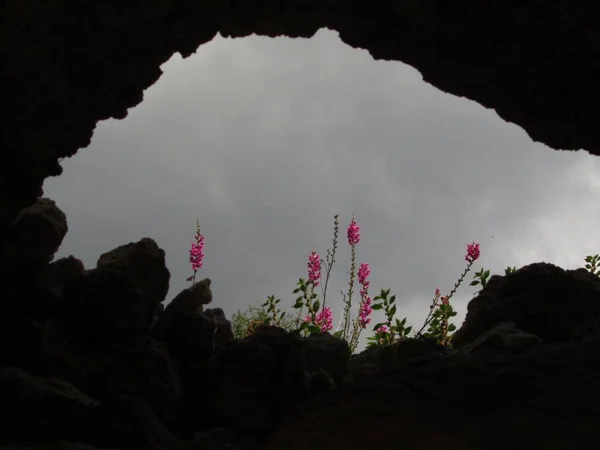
(91, 359)
(68, 65)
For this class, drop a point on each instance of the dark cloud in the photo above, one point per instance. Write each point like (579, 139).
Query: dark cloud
(266, 139)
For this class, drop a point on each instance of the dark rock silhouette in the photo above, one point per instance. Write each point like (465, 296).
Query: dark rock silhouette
(540, 299)
(81, 368)
(84, 361)
(65, 67)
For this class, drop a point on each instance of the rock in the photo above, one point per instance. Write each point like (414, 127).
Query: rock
(475, 393)
(34, 236)
(189, 300)
(324, 351)
(83, 373)
(46, 119)
(587, 330)
(250, 384)
(37, 292)
(144, 263)
(541, 299)
(63, 270)
(320, 382)
(160, 308)
(383, 358)
(222, 438)
(55, 446)
(502, 338)
(142, 370)
(132, 426)
(47, 409)
(105, 302)
(31, 345)
(224, 330)
(191, 338)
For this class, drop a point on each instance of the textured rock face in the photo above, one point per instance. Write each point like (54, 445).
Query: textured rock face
(84, 360)
(68, 65)
(81, 368)
(540, 299)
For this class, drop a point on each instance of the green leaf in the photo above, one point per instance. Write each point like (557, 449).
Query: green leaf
(451, 327)
(392, 311)
(392, 299)
(474, 283)
(377, 325)
(313, 295)
(316, 306)
(377, 306)
(314, 329)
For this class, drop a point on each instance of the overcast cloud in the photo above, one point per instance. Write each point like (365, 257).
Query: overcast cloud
(266, 139)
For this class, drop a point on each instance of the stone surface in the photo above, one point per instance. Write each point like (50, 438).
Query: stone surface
(105, 302)
(69, 65)
(142, 369)
(81, 369)
(144, 264)
(224, 330)
(541, 299)
(504, 337)
(250, 384)
(33, 236)
(324, 351)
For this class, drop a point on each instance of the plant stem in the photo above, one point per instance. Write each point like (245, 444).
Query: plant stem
(452, 292)
(350, 291)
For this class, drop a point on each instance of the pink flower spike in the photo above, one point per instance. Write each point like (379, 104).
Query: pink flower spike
(324, 319)
(314, 268)
(365, 312)
(437, 292)
(197, 254)
(363, 272)
(472, 252)
(353, 233)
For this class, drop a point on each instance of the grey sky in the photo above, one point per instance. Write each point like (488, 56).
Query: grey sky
(266, 139)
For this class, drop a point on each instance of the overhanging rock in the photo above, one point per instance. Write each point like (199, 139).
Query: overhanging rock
(67, 65)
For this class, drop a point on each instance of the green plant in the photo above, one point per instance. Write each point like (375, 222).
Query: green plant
(387, 332)
(242, 321)
(592, 263)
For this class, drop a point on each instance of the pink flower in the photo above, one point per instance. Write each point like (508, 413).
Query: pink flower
(197, 252)
(314, 267)
(353, 233)
(308, 319)
(437, 292)
(472, 252)
(324, 319)
(363, 272)
(365, 306)
(383, 329)
(365, 312)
